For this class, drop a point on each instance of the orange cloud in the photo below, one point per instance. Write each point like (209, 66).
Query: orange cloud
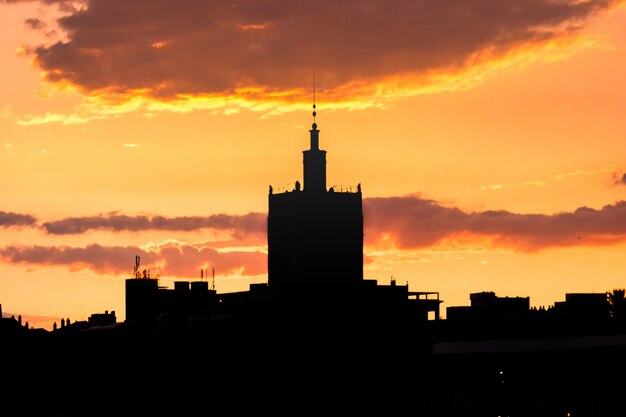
(268, 49)
(8, 219)
(412, 222)
(177, 260)
(101, 259)
(159, 44)
(408, 222)
(405, 222)
(239, 225)
(253, 26)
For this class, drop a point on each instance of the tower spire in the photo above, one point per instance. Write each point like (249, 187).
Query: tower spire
(314, 131)
(314, 158)
(314, 112)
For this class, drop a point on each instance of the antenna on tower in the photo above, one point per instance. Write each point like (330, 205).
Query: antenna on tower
(201, 274)
(314, 112)
(136, 273)
(213, 280)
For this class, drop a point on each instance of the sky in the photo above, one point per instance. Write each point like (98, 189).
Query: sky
(488, 138)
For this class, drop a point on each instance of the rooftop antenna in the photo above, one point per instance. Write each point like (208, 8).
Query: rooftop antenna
(213, 280)
(201, 274)
(136, 272)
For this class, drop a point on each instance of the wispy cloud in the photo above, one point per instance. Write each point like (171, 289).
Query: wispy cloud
(238, 225)
(408, 222)
(176, 259)
(8, 219)
(411, 222)
(541, 182)
(42, 119)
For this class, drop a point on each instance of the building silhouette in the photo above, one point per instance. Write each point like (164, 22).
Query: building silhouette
(583, 307)
(315, 268)
(487, 306)
(315, 234)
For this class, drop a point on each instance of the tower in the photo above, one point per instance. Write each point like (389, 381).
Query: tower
(315, 234)
(314, 162)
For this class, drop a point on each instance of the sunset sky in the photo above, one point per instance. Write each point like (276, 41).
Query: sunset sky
(489, 138)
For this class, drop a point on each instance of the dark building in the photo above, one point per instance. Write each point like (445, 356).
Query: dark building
(487, 306)
(583, 307)
(315, 234)
(10, 326)
(142, 296)
(146, 301)
(102, 319)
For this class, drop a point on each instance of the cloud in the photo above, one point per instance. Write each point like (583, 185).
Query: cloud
(411, 222)
(66, 119)
(407, 222)
(101, 259)
(35, 23)
(540, 182)
(239, 225)
(268, 49)
(176, 259)
(619, 181)
(70, 6)
(8, 219)
(186, 260)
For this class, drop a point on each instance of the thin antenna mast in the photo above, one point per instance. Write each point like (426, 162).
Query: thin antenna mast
(136, 272)
(314, 112)
(213, 280)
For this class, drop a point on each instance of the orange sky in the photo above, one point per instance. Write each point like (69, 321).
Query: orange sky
(489, 142)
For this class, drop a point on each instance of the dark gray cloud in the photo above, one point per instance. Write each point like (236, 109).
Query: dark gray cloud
(412, 222)
(239, 225)
(172, 47)
(8, 219)
(176, 260)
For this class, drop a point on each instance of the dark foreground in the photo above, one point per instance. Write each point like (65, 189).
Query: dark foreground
(343, 369)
